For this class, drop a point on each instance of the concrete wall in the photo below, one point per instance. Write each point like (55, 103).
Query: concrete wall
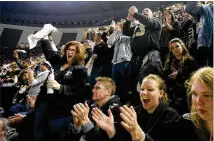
(30, 30)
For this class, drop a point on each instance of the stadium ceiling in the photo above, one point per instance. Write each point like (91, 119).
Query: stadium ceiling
(86, 13)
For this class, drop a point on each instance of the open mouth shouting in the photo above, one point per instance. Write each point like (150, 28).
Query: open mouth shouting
(69, 55)
(145, 100)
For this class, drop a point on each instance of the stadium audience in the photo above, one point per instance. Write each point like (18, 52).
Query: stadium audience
(132, 53)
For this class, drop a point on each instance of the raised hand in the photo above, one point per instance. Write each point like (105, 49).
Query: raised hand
(104, 122)
(133, 10)
(112, 24)
(81, 112)
(15, 54)
(129, 17)
(129, 122)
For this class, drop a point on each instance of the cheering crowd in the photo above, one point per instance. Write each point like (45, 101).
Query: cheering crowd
(141, 79)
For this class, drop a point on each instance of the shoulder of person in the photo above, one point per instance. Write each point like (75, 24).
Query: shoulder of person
(190, 61)
(78, 67)
(186, 116)
(170, 111)
(114, 105)
(185, 121)
(79, 70)
(157, 19)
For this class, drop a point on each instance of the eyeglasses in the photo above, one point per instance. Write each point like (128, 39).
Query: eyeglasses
(176, 46)
(99, 88)
(72, 50)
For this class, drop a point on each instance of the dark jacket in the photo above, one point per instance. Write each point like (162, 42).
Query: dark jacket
(167, 35)
(151, 64)
(72, 80)
(102, 54)
(189, 29)
(88, 53)
(176, 88)
(205, 29)
(141, 45)
(152, 124)
(104, 58)
(97, 134)
(181, 130)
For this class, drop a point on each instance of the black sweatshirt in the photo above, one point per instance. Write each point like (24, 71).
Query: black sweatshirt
(141, 45)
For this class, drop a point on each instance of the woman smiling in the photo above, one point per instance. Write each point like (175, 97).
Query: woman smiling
(153, 113)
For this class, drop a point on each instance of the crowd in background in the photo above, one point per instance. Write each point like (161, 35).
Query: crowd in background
(77, 91)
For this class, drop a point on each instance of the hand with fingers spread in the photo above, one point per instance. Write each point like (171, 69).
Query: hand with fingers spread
(129, 122)
(81, 112)
(104, 122)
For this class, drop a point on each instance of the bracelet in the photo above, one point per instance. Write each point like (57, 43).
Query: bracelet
(138, 139)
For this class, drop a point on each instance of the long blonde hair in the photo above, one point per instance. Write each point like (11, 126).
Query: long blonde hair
(205, 76)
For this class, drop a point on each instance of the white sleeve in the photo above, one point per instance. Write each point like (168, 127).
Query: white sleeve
(112, 38)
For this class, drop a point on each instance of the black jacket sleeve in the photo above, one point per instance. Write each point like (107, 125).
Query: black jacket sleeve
(149, 22)
(52, 56)
(189, 67)
(176, 32)
(127, 30)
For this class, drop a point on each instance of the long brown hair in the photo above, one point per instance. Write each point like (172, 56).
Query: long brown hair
(170, 58)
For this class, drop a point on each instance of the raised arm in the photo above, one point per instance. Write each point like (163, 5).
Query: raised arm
(16, 59)
(149, 22)
(52, 56)
(146, 20)
(193, 8)
(112, 38)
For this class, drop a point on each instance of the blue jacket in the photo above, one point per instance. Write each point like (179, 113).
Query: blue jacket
(205, 29)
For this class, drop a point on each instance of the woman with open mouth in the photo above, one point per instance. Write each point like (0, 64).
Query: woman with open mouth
(52, 110)
(194, 126)
(154, 111)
